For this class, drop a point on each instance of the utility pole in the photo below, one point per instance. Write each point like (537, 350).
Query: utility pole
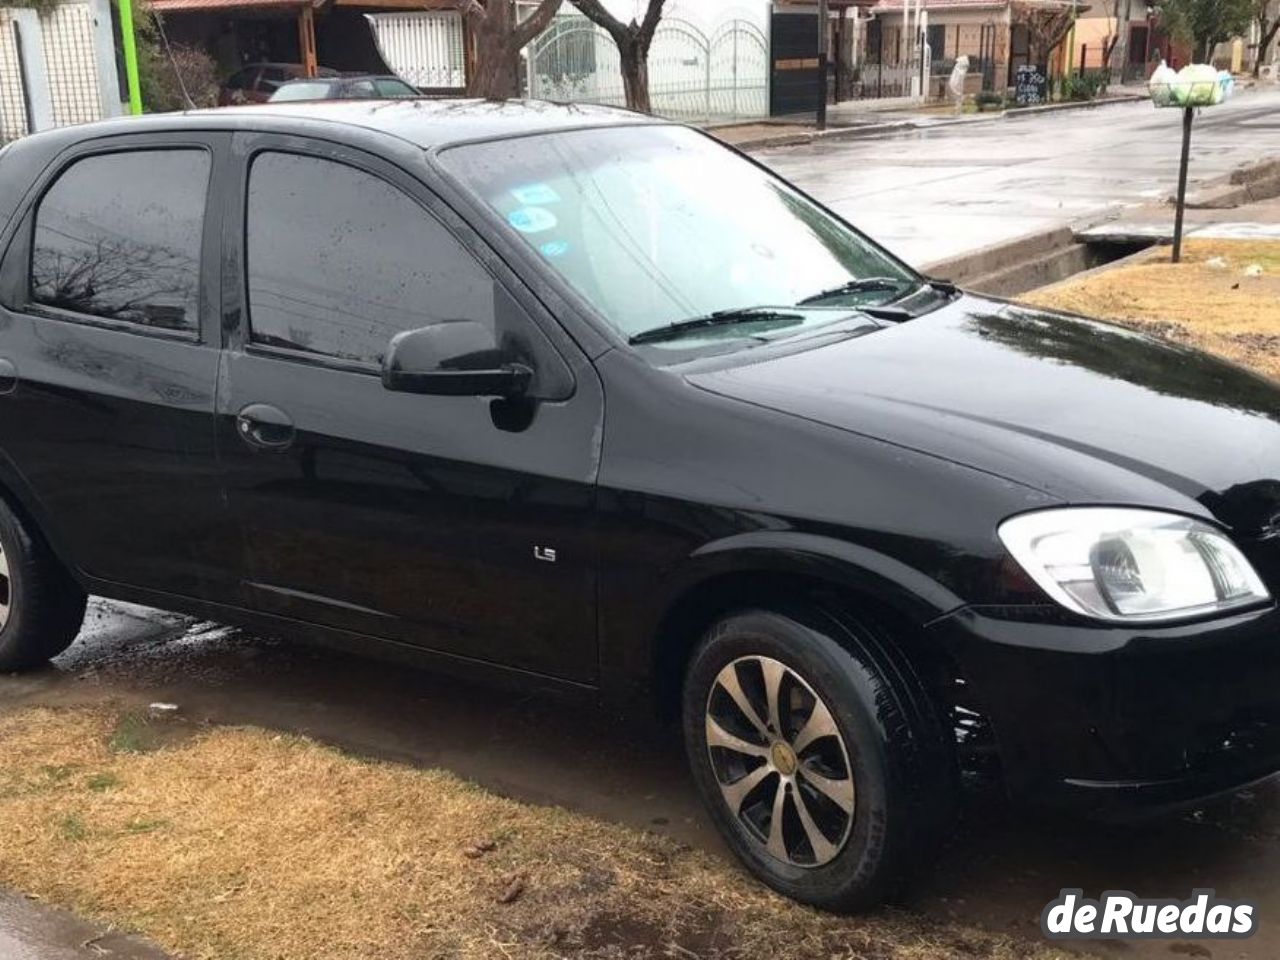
(822, 64)
(130, 56)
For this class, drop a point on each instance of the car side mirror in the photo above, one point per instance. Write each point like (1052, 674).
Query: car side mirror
(457, 358)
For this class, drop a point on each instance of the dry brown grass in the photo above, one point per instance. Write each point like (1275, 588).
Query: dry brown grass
(240, 844)
(1216, 309)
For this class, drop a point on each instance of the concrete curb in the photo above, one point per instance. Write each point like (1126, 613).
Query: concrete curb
(1246, 184)
(893, 126)
(1129, 261)
(966, 267)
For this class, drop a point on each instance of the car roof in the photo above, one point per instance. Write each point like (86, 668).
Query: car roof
(423, 122)
(431, 122)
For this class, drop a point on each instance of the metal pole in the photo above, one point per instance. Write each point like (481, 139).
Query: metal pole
(130, 56)
(822, 64)
(734, 27)
(1188, 115)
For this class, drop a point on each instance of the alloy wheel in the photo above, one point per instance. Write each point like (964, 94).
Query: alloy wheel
(780, 760)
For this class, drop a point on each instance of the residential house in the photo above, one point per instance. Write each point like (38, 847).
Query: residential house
(997, 36)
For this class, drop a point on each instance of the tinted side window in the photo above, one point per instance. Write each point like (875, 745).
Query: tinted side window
(238, 81)
(339, 261)
(394, 88)
(118, 236)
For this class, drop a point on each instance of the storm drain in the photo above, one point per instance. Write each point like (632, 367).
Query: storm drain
(1036, 260)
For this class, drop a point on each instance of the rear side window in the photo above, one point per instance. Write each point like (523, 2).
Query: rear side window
(340, 261)
(118, 236)
(241, 80)
(394, 88)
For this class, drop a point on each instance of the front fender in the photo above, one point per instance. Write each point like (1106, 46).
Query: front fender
(644, 626)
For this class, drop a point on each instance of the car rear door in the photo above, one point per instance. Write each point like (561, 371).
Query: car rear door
(459, 524)
(109, 334)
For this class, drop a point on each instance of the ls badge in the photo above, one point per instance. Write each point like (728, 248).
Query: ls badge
(547, 554)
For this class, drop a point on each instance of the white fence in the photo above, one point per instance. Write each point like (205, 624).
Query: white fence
(694, 74)
(56, 67)
(67, 35)
(423, 49)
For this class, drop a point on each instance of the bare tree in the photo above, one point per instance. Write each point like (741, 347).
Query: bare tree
(499, 38)
(1111, 16)
(633, 40)
(1046, 27)
(1267, 16)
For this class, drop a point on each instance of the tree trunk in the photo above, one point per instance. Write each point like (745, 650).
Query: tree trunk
(635, 75)
(633, 41)
(495, 76)
(499, 40)
(1266, 33)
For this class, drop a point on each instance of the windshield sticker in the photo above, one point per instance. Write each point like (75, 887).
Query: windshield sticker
(532, 219)
(553, 249)
(535, 194)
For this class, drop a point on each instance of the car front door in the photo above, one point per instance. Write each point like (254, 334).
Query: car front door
(463, 524)
(110, 338)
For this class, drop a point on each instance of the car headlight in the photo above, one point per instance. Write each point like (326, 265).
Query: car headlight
(1131, 565)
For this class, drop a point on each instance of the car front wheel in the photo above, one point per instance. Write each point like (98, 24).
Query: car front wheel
(818, 754)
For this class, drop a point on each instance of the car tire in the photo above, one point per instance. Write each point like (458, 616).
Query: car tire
(41, 606)
(879, 751)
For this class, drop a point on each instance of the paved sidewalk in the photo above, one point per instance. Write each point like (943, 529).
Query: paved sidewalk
(856, 118)
(1253, 221)
(29, 931)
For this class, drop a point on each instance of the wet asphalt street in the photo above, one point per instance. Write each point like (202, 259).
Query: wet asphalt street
(932, 194)
(927, 195)
(30, 931)
(998, 872)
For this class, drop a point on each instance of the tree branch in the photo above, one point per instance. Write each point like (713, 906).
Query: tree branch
(651, 17)
(594, 11)
(536, 22)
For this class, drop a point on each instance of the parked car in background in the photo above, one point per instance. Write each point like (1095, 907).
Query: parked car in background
(258, 81)
(341, 371)
(358, 87)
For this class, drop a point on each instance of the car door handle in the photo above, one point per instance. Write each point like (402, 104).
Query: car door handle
(265, 427)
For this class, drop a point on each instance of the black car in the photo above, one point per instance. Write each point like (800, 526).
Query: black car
(589, 402)
(360, 87)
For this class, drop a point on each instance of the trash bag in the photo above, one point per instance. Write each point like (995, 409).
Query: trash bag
(1195, 86)
(1160, 86)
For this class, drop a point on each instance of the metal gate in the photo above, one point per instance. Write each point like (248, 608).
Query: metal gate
(424, 49)
(692, 75)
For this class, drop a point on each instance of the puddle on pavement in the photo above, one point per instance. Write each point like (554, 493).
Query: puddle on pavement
(998, 871)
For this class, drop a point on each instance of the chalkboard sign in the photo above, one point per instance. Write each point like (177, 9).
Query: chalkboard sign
(1031, 86)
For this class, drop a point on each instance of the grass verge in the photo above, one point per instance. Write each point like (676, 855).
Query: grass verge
(241, 844)
(1207, 301)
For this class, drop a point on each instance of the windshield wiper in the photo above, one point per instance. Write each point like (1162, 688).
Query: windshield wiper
(717, 319)
(861, 285)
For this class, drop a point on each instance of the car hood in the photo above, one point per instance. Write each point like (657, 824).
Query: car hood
(1080, 410)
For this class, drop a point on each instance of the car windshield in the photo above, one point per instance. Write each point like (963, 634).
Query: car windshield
(302, 90)
(658, 225)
